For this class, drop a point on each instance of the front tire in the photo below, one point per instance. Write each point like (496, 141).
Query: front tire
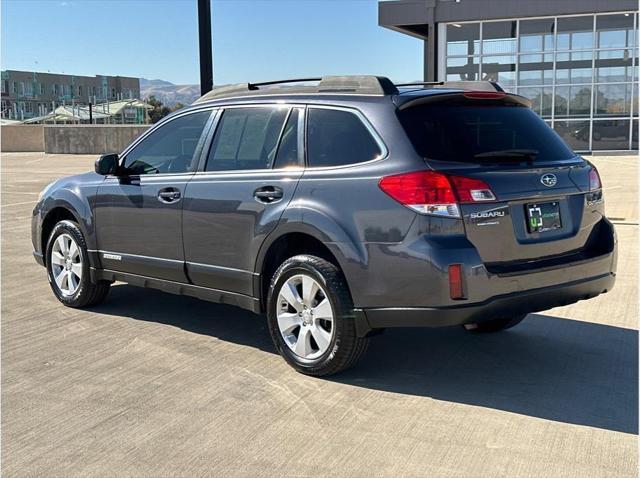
(495, 325)
(310, 316)
(68, 268)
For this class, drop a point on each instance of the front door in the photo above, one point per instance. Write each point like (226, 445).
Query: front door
(251, 172)
(138, 213)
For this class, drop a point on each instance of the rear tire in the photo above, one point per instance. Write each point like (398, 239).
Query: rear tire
(310, 316)
(494, 325)
(67, 262)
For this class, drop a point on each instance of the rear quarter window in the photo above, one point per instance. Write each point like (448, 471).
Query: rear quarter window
(459, 132)
(337, 138)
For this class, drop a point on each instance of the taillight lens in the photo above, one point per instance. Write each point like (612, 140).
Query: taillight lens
(594, 179)
(429, 192)
(471, 190)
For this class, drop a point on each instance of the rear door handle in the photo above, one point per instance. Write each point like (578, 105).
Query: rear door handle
(268, 194)
(169, 195)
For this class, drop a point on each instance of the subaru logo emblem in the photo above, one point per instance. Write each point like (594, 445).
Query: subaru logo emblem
(549, 180)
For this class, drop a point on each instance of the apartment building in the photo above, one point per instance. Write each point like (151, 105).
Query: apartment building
(27, 94)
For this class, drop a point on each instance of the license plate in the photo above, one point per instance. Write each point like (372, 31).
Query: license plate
(543, 216)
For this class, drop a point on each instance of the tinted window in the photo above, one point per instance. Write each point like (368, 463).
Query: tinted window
(287, 155)
(246, 138)
(170, 148)
(450, 132)
(336, 138)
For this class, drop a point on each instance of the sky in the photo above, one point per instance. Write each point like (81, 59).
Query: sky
(253, 40)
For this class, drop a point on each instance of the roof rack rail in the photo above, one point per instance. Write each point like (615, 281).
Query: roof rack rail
(357, 85)
(354, 85)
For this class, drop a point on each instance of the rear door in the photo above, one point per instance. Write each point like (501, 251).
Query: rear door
(252, 168)
(541, 187)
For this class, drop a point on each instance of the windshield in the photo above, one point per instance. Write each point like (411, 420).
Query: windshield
(481, 133)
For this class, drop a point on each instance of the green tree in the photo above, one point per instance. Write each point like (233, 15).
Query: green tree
(177, 106)
(159, 110)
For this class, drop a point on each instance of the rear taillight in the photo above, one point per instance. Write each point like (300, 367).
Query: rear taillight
(594, 179)
(429, 192)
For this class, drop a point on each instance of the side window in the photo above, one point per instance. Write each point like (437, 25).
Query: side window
(337, 138)
(170, 148)
(246, 138)
(287, 155)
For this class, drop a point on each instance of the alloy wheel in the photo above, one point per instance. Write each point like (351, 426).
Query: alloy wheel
(66, 264)
(305, 316)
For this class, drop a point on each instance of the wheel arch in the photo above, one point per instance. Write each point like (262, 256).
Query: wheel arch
(67, 206)
(299, 238)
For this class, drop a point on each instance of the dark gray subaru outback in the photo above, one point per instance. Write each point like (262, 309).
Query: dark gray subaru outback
(339, 209)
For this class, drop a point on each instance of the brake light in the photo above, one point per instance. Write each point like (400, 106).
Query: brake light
(484, 95)
(429, 192)
(594, 179)
(455, 281)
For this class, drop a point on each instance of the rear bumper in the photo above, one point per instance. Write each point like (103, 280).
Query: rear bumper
(506, 305)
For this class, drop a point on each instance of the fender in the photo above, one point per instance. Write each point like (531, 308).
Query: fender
(300, 218)
(75, 194)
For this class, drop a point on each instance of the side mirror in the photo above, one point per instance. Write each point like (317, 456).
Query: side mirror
(107, 164)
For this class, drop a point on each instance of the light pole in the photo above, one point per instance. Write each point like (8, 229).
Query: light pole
(206, 50)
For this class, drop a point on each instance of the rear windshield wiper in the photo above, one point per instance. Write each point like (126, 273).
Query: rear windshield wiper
(528, 155)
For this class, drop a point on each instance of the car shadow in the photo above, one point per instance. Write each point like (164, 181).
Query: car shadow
(547, 367)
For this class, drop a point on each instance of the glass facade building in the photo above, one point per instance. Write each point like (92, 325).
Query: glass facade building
(580, 72)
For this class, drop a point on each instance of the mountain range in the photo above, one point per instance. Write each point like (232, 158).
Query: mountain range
(168, 93)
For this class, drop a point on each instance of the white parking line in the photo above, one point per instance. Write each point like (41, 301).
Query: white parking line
(18, 203)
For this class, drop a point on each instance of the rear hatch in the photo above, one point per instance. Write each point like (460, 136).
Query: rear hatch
(543, 201)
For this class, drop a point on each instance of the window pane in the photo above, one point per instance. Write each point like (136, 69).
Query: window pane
(246, 138)
(574, 133)
(540, 98)
(635, 100)
(573, 72)
(500, 68)
(288, 155)
(575, 33)
(539, 58)
(498, 37)
(572, 101)
(634, 134)
(463, 39)
(170, 148)
(336, 138)
(615, 31)
(467, 69)
(613, 100)
(536, 35)
(613, 65)
(534, 71)
(462, 60)
(611, 134)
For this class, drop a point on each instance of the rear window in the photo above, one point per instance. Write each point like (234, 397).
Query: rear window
(452, 132)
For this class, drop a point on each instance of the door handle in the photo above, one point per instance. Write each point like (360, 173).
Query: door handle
(268, 194)
(169, 195)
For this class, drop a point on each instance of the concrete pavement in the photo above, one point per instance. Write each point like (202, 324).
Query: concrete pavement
(150, 384)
